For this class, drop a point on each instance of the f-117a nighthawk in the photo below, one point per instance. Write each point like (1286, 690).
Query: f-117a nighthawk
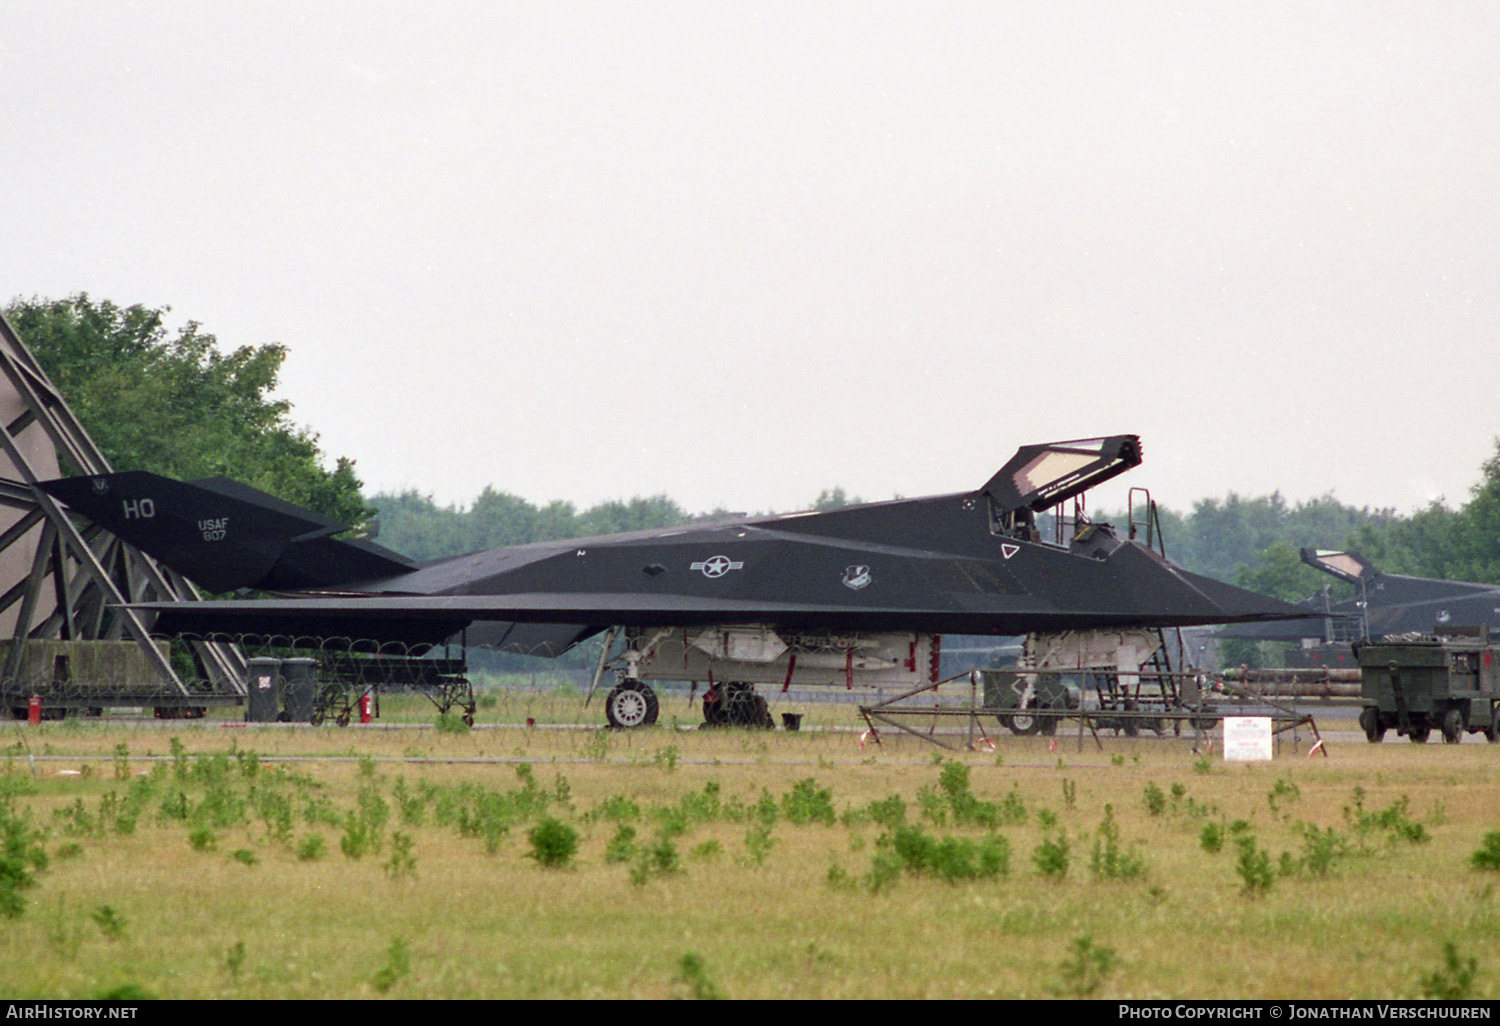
(859, 594)
(1383, 605)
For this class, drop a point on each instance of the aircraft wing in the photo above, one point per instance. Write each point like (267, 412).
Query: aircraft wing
(416, 619)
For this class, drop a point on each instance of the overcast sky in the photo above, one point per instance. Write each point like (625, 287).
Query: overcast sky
(741, 252)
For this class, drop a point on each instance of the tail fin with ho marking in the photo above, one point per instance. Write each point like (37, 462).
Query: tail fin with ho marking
(224, 535)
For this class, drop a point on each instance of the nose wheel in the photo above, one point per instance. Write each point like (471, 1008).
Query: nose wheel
(631, 704)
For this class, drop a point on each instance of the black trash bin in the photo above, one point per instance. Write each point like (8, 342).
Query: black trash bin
(300, 683)
(263, 690)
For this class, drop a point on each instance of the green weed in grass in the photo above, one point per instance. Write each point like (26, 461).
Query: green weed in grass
(1488, 855)
(808, 803)
(397, 966)
(885, 870)
(1454, 980)
(692, 971)
(1253, 866)
(1051, 857)
(759, 842)
(1321, 848)
(621, 847)
(1283, 792)
(553, 843)
(402, 865)
(451, 723)
(1391, 824)
(887, 812)
(234, 960)
(110, 922)
(1156, 799)
(838, 878)
(1085, 970)
(596, 746)
(659, 858)
(22, 857)
(1111, 860)
(411, 805)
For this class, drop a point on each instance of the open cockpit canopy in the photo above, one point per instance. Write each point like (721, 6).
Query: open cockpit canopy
(1039, 477)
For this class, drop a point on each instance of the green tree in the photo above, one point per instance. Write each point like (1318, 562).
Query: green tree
(1280, 573)
(415, 525)
(1473, 547)
(1459, 545)
(834, 498)
(178, 405)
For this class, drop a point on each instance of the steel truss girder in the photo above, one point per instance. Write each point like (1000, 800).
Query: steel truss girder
(92, 574)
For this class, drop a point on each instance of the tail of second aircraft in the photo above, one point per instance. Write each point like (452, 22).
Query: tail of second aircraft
(226, 536)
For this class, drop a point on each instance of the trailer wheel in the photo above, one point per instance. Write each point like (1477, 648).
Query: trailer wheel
(1369, 721)
(1492, 733)
(1420, 735)
(1453, 725)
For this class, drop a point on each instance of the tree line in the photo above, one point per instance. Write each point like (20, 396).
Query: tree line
(176, 404)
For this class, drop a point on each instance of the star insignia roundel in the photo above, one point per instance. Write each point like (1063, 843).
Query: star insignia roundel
(717, 566)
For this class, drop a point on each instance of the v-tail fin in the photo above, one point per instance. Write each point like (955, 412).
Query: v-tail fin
(224, 535)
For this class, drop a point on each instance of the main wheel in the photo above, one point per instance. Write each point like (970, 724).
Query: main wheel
(713, 708)
(631, 704)
(744, 708)
(1021, 723)
(1369, 720)
(1453, 725)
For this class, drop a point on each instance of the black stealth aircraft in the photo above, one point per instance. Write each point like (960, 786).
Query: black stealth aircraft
(860, 594)
(1383, 605)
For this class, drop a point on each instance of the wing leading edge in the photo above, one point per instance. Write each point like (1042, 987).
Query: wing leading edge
(951, 564)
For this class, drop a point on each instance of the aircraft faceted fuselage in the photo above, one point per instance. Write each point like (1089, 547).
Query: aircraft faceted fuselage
(1383, 605)
(965, 563)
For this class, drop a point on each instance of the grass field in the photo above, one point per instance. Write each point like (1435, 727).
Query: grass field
(203, 859)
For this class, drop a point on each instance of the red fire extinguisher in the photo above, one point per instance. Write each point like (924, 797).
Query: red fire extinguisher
(34, 710)
(364, 708)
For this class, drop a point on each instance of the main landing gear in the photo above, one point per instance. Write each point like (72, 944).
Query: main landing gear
(735, 704)
(631, 703)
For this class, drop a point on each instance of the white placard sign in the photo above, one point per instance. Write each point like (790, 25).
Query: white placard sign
(1247, 738)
